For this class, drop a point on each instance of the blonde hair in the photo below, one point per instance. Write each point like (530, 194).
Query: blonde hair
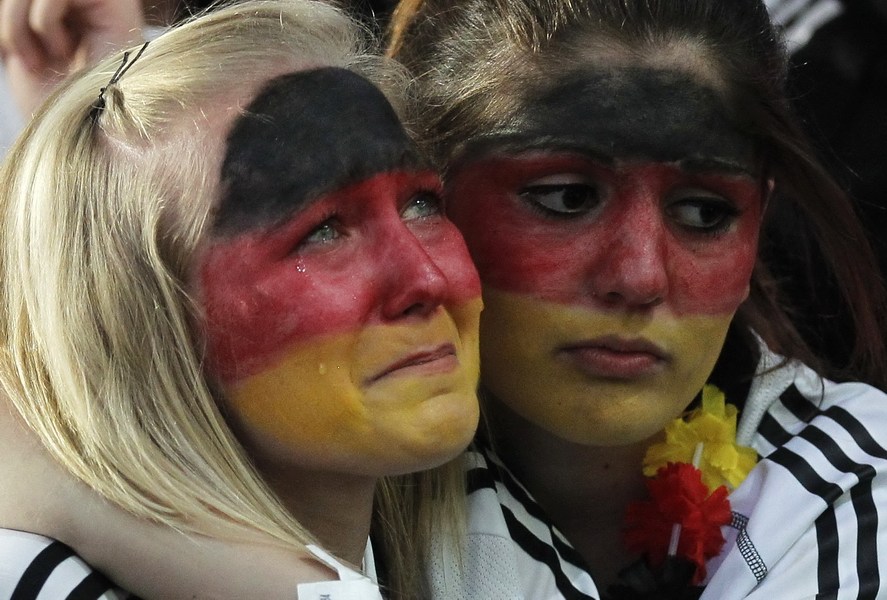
(102, 209)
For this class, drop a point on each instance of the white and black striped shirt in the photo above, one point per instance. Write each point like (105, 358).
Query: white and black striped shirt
(33, 567)
(800, 19)
(810, 521)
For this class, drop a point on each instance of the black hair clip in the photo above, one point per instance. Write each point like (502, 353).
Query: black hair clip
(99, 105)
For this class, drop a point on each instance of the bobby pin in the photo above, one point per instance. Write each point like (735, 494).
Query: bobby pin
(99, 105)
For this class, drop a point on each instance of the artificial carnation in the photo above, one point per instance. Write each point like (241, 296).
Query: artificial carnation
(713, 425)
(678, 496)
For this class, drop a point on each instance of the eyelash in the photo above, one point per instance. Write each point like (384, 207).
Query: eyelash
(430, 196)
(332, 219)
(538, 191)
(728, 213)
(328, 219)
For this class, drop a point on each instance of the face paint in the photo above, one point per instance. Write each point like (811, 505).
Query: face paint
(305, 134)
(594, 377)
(610, 278)
(643, 114)
(341, 306)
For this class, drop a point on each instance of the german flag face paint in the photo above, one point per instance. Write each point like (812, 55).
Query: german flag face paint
(341, 305)
(614, 249)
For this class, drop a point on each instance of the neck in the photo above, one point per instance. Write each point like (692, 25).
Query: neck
(583, 489)
(335, 508)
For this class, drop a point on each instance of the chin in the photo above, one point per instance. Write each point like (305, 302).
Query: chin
(607, 415)
(608, 434)
(447, 428)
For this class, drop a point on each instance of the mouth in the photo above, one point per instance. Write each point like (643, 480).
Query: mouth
(613, 357)
(440, 359)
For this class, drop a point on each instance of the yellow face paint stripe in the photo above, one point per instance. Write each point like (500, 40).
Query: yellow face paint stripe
(318, 393)
(520, 336)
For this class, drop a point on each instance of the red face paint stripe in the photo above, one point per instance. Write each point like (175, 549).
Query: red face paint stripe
(261, 293)
(629, 236)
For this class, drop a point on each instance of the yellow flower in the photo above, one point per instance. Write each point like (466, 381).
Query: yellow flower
(713, 425)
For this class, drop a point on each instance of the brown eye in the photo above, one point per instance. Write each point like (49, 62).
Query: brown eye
(706, 214)
(567, 199)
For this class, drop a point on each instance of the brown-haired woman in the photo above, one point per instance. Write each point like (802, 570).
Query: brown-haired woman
(621, 172)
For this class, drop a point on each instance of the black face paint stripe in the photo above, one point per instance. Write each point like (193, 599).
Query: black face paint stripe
(306, 134)
(630, 113)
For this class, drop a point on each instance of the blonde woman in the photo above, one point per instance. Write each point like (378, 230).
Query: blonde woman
(231, 304)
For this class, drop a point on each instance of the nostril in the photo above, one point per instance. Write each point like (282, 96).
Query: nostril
(653, 302)
(617, 298)
(417, 309)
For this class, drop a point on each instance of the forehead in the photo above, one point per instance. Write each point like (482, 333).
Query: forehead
(626, 112)
(303, 135)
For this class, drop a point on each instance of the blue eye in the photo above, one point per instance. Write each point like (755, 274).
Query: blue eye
(563, 199)
(326, 232)
(423, 204)
(706, 214)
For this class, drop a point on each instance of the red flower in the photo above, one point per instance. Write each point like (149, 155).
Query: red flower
(678, 496)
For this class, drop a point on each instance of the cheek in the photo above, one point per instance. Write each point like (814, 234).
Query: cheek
(305, 398)
(509, 250)
(714, 280)
(516, 250)
(257, 307)
(447, 249)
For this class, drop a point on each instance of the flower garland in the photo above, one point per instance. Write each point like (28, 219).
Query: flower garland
(679, 528)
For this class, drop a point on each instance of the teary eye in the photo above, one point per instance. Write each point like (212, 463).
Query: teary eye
(326, 232)
(423, 204)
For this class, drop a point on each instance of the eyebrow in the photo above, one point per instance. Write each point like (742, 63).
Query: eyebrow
(716, 165)
(512, 144)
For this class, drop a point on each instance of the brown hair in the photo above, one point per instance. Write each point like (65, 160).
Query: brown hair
(473, 59)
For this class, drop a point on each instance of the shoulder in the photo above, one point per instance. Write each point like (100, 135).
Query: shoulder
(511, 550)
(786, 397)
(811, 518)
(32, 565)
(791, 403)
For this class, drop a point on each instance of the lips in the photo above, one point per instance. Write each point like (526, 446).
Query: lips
(440, 359)
(612, 357)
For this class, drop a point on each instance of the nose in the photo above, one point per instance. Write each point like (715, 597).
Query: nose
(631, 270)
(412, 282)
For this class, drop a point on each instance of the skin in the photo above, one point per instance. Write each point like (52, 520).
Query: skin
(42, 41)
(614, 221)
(341, 327)
(581, 486)
(38, 495)
(341, 305)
